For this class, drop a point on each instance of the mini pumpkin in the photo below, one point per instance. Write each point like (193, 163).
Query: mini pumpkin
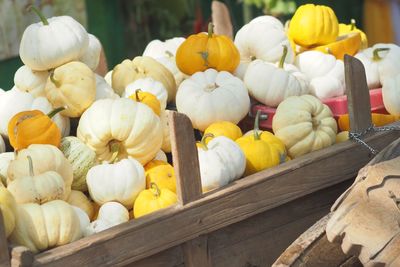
(224, 128)
(162, 175)
(148, 99)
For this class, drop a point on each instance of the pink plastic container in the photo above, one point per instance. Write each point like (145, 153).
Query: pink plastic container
(338, 105)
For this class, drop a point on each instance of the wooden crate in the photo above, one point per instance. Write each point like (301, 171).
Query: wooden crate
(247, 223)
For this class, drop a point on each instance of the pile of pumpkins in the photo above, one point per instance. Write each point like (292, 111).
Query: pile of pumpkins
(58, 186)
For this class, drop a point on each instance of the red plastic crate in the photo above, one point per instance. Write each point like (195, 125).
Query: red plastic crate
(338, 105)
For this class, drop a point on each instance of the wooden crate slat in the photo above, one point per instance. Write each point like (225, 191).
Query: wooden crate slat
(241, 200)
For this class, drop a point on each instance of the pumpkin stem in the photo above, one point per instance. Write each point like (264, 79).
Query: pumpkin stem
(169, 53)
(2, 177)
(352, 24)
(257, 134)
(210, 29)
(30, 166)
(39, 14)
(114, 149)
(252, 58)
(156, 188)
(203, 140)
(282, 61)
(376, 56)
(328, 51)
(53, 80)
(54, 112)
(137, 95)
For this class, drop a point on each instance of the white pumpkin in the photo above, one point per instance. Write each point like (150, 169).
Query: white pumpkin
(121, 182)
(91, 56)
(51, 43)
(31, 81)
(110, 214)
(40, 227)
(391, 94)
(129, 125)
(14, 101)
(380, 61)
(325, 73)
(304, 124)
(157, 48)
(84, 220)
(103, 89)
(170, 63)
(108, 78)
(5, 159)
(221, 162)
(271, 83)
(212, 96)
(166, 144)
(148, 85)
(2, 145)
(80, 200)
(262, 38)
(81, 157)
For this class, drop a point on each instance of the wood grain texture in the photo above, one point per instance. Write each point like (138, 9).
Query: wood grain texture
(358, 101)
(236, 202)
(21, 257)
(185, 158)
(172, 257)
(196, 252)
(4, 255)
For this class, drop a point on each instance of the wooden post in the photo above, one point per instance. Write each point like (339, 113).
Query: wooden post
(188, 182)
(4, 255)
(358, 100)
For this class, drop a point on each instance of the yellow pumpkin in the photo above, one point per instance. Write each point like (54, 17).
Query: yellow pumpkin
(203, 51)
(262, 149)
(33, 127)
(163, 176)
(347, 28)
(342, 137)
(153, 199)
(224, 128)
(8, 208)
(154, 163)
(148, 99)
(313, 25)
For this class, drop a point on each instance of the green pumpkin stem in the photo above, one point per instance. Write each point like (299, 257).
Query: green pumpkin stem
(256, 130)
(114, 149)
(30, 166)
(282, 61)
(376, 51)
(39, 14)
(210, 29)
(203, 140)
(54, 112)
(156, 188)
(53, 80)
(352, 24)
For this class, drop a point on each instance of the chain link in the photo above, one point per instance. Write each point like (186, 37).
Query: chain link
(357, 137)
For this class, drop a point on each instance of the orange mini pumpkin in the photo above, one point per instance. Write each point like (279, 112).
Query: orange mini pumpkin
(203, 51)
(148, 99)
(33, 127)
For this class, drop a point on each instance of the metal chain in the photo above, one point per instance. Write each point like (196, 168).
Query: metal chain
(357, 136)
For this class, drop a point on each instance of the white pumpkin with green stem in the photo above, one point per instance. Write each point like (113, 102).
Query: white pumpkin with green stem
(30, 81)
(391, 94)
(262, 38)
(130, 125)
(81, 157)
(38, 48)
(271, 83)
(15, 101)
(5, 159)
(212, 96)
(304, 124)
(148, 85)
(121, 181)
(380, 61)
(110, 214)
(40, 227)
(38, 188)
(325, 73)
(221, 162)
(91, 56)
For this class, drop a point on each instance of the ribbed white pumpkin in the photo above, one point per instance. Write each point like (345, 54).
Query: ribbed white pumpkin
(108, 78)
(45, 47)
(5, 159)
(166, 144)
(212, 96)
(103, 89)
(30, 81)
(148, 85)
(121, 182)
(81, 157)
(391, 94)
(84, 220)
(91, 56)
(131, 125)
(40, 227)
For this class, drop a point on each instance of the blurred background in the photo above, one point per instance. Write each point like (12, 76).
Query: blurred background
(124, 27)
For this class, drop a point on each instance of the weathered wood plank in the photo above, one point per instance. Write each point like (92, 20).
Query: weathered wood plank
(196, 252)
(21, 257)
(169, 258)
(4, 255)
(358, 102)
(185, 159)
(241, 200)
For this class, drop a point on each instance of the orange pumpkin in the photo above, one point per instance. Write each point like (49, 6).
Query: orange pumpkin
(148, 99)
(33, 127)
(377, 119)
(203, 51)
